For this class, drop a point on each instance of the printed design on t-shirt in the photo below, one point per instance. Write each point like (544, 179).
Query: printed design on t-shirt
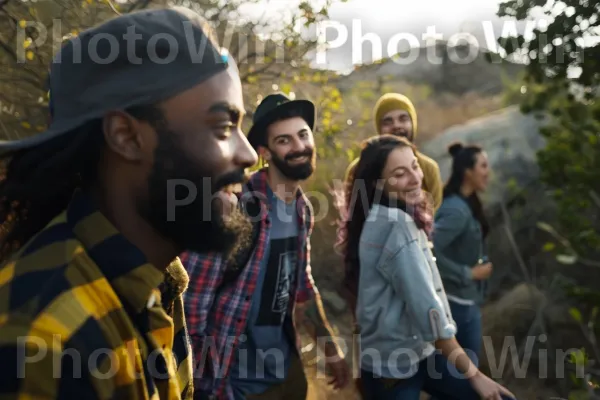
(279, 278)
(284, 272)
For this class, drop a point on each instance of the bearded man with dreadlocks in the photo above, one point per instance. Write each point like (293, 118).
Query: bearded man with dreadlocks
(96, 210)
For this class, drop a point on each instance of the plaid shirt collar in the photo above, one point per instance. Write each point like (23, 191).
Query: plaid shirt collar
(119, 260)
(259, 188)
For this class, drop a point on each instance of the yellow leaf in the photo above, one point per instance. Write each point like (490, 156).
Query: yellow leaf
(286, 88)
(89, 1)
(26, 125)
(27, 42)
(30, 55)
(22, 23)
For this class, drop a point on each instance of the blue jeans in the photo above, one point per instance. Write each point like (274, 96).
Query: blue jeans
(438, 382)
(468, 335)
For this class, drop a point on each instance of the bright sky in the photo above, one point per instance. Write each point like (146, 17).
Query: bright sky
(386, 18)
(361, 31)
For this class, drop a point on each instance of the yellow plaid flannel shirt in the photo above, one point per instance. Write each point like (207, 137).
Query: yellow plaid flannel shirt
(83, 315)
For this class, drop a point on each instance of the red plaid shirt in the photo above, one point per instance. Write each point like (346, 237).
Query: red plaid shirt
(216, 315)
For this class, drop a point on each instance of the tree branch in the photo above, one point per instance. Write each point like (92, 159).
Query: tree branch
(258, 71)
(595, 198)
(112, 7)
(513, 243)
(137, 5)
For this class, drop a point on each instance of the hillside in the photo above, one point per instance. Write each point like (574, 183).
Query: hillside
(438, 66)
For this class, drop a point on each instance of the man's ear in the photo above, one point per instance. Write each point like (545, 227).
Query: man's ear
(264, 153)
(123, 135)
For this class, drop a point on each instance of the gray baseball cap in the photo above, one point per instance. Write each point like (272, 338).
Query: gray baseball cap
(134, 59)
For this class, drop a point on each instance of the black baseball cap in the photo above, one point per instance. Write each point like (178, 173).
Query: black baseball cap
(138, 58)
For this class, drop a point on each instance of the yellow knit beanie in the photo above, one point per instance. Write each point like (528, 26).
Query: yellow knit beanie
(394, 101)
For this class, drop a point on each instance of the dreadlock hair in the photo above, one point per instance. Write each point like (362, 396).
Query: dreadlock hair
(37, 184)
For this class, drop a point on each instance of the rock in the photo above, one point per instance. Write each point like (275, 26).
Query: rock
(513, 313)
(434, 65)
(510, 139)
(515, 350)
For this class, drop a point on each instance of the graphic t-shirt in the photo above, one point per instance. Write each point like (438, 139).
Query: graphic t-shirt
(262, 357)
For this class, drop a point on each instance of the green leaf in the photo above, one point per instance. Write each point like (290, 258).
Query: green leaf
(549, 246)
(576, 314)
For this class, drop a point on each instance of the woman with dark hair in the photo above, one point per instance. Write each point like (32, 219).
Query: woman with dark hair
(401, 307)
(460, 230)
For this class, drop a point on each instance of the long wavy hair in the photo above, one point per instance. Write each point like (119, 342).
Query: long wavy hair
(464, 158)
(359, 195)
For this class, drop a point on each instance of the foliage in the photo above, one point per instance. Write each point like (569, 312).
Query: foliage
(570, 163)
(562, 82)
(268, 49)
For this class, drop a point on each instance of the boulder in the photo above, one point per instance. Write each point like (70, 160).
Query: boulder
(511, 140)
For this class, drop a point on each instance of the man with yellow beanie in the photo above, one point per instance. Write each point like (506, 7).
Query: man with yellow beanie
(395, 114)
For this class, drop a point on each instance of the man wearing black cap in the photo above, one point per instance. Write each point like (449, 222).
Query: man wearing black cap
(245, 327)
(96, 209)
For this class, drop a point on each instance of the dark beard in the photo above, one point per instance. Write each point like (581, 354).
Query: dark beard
(295, 172)
(196, 225)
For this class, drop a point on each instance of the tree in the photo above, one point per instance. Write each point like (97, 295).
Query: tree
(562, 81)
(268, 49)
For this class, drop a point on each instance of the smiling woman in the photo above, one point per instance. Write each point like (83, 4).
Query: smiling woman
(388, 168)
(400, 305)
(461, 228)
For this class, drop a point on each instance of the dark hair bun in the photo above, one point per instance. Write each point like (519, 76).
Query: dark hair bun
(455, 148)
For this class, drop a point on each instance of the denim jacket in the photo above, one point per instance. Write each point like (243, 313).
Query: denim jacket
(402, 308)
(458, 247)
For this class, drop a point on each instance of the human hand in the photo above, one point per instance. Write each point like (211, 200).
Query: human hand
(336, 367)
(488, 389)
(481, 271)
